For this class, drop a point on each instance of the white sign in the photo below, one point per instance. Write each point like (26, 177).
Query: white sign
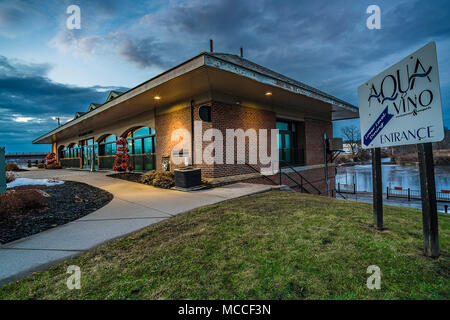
(402, 105)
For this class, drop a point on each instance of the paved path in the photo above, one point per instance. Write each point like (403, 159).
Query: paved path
(135, 206)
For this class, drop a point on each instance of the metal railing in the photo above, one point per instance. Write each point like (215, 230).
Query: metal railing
(398, 192)
(302, 178)
(346, 188)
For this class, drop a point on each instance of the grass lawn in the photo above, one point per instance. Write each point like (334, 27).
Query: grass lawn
(276, 245)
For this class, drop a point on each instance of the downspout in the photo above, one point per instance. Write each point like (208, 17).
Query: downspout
(192, 132)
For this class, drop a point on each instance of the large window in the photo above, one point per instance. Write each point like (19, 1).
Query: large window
(290, 142)
(107, 150)
(141, 143)
(70, 157)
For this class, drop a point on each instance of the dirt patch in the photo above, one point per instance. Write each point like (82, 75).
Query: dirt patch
(67, 202)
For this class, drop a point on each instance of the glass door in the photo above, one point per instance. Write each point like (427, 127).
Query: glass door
(284, 142)
(90, 154)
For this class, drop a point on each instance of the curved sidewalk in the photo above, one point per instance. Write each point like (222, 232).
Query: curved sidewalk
(135, 206)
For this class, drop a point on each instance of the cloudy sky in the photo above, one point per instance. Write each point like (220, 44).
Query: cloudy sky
(47, 70)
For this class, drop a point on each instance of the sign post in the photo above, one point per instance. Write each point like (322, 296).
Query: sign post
(429, 207)
(377, 189)
(2, 171)
(402, 106)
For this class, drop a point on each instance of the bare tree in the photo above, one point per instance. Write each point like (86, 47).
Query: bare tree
(351, 135)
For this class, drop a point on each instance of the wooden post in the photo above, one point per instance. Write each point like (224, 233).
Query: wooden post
(2, 171)
(377, 188)
(429, 206)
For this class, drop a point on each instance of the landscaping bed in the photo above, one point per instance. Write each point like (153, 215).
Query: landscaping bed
(133, 177)
(273, 245)
(66, 202)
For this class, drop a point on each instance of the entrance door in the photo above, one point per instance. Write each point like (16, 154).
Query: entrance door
(90, 154)
(284, 142)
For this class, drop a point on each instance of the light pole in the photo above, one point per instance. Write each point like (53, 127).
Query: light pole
(58, 119)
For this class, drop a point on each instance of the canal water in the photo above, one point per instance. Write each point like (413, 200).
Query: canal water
(393, 176)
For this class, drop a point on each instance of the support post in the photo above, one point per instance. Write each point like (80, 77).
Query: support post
(2, 171)
(377, 188)
(429, 205)
(325, 156)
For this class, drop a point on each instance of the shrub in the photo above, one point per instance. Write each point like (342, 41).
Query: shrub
(147, 178)
(51, 160)
(122, 159)
(53, 166)
(16, 201)
(10, 176)
(41, 165)
(159, 178)
(29, 164)
(11, 167)
(164, 179)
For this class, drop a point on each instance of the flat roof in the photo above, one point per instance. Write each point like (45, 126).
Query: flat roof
(220, 61)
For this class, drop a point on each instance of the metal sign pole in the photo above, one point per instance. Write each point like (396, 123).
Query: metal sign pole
(429, 206)
(2, 171)
(377, 189)
(325, 156)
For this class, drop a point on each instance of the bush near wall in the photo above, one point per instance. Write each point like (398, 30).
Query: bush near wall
(53, 166)
(159, 178)
(41, 165)
(16, 201)
(11, 167)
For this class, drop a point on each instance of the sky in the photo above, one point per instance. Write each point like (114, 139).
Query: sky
(48, 70)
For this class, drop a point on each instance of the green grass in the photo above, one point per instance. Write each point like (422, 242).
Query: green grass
(276, 245)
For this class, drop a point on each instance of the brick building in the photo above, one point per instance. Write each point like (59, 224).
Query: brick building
(220, 91)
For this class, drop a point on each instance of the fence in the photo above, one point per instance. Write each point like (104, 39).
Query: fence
(398, 192)
(346, 188)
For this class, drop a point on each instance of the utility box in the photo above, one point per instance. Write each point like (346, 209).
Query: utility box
(2, 171)
(188, 178)
(335, 144)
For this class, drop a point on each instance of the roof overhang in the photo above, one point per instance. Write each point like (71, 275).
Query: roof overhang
(198, 75)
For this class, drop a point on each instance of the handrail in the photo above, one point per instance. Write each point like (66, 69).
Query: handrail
(298, 184)
(301, 176)
(267, 178)
(256, 170)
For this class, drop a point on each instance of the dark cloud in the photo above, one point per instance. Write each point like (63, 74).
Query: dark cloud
(29, 100)
(323, 43)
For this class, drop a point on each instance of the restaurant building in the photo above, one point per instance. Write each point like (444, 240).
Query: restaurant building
(224, 91)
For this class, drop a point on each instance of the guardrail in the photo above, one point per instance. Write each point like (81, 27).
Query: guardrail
(346, 188)
(399, 192)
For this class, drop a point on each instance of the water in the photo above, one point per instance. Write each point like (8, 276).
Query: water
(393, 176)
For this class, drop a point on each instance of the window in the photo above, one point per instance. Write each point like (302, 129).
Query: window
(204, 112)
(141, 143)
(107, 146)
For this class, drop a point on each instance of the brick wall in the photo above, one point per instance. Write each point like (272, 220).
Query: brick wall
(227, 116)
(314, 130)
(165, 124)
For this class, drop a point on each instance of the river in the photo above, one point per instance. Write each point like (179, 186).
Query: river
(393, 176)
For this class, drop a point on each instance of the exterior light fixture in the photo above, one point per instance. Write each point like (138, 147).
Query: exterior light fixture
(268, 93)
(157, 97)
(57, 119)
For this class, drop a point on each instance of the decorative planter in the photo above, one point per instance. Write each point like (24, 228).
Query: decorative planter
(188, 178)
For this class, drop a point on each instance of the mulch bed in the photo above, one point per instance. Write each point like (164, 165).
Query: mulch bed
(133, 177)
(68, 202)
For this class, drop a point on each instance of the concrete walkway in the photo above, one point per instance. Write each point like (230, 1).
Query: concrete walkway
(135, 206)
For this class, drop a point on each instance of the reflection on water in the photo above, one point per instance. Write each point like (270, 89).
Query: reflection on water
(393, 176)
